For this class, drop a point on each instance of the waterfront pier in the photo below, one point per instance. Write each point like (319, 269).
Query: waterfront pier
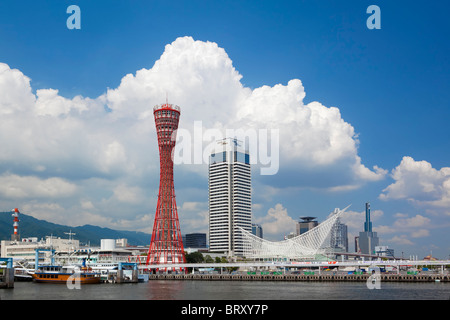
(303, 277)
(121, 278)
(7, 274)
(309, 271)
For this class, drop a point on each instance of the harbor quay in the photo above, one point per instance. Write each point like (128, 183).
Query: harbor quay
(388, 271)
(323, 271)
(303, 277)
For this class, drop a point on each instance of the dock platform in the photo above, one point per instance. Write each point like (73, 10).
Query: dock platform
(301, 277)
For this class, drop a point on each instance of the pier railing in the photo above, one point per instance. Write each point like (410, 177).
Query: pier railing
(307, 264)
(302, 277)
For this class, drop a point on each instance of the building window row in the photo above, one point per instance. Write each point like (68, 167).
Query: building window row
(167, 113)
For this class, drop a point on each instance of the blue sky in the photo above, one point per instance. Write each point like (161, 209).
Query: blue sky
(389, 85)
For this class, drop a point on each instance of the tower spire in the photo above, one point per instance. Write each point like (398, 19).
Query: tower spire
(368, 223)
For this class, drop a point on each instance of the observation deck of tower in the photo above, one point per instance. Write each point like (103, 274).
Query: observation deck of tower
(166, 245)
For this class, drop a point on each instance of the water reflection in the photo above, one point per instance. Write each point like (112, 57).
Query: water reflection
(165, 290)
(228, 290)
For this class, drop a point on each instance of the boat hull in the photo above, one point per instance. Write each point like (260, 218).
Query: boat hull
(66, 277)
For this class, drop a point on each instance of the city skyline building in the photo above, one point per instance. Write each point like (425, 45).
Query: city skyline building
(368, 239)
(384, 251)
(306, 224)
(195, 240)
(166, 244)
(339, 235)
(229, 182)
(257, 230)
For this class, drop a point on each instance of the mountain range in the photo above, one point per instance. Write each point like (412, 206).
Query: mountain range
(87, 234)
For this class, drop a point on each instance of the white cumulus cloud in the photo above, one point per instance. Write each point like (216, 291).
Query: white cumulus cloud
(22, 187)
(420, 183)
(98, 145)
(277, 221)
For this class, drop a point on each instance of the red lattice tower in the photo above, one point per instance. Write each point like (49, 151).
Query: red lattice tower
(166, 245)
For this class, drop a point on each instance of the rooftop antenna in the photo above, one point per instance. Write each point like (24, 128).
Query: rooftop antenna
(70, 233)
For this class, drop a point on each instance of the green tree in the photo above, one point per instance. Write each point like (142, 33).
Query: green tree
(194, 257)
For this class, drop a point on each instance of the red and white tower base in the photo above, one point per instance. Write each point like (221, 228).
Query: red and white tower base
(166, 246)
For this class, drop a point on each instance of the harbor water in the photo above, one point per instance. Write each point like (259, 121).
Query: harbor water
(229, 290)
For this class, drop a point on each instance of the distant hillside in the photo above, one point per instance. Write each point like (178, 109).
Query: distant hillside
(32, 227)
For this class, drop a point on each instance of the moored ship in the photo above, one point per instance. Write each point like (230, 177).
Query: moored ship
(63, 274)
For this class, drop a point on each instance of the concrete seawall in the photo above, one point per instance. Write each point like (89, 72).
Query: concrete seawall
(7, 278)
(288, 277)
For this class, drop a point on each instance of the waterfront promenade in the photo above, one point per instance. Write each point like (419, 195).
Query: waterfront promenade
(305, 265)
(311, 271)
(384, 277)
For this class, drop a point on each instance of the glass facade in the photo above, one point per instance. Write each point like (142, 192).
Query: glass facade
(241, 157)
(218, 157)
(222, 157)
(195, 240)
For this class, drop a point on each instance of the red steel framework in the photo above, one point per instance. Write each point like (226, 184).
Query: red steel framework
(166, 245)
(15, 236)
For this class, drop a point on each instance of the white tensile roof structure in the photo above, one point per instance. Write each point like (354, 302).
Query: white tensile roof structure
(304, 246)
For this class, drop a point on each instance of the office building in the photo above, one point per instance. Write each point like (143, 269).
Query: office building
(229, 197)
(306, 224)
(257, 230)
(384, 251)
(368, 239)
(195, 240)
(25, 249)
(339, 235)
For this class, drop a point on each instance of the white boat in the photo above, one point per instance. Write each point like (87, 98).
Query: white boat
(23, 274)
(23, 271)
(107, 270)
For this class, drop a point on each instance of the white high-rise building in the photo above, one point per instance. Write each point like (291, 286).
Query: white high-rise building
(230, 200)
